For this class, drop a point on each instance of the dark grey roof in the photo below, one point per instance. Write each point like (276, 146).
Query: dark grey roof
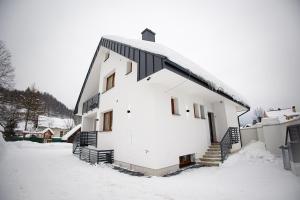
(149, 63)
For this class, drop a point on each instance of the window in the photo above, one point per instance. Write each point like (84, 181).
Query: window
(129, 68)
(107, 121)
(110, 82)
(202, 112)
(106, 56)
(174, 106)
(196, 110)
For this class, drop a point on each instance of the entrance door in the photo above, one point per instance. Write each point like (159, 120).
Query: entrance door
(211, 122)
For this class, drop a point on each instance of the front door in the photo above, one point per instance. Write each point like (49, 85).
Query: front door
(211, 122)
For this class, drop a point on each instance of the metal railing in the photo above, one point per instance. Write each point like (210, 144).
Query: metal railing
(84, 139)
(96, 156)
(231, 137)
(91, 103)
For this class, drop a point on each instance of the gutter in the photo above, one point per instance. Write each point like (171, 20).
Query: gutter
(240, 125)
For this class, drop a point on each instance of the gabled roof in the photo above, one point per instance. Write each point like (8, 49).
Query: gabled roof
(40, 132)
(71, 132)
(152, 57)
(147, 29)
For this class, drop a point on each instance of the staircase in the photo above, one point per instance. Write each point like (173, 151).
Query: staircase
(212, 156)
(218, 152)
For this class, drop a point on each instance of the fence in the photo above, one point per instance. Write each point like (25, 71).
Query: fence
(96, 156)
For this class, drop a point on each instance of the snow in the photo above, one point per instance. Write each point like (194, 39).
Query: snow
(54, 122)
(48, 122)
(71, 132)
(33, 171)
(157, 48)
(280, 113)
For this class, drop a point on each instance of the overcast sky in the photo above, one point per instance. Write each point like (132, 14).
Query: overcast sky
(253, 46)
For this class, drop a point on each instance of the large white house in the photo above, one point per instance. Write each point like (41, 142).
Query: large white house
(157, 110)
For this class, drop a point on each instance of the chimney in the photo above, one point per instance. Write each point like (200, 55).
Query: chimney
(294, 108)
(148, 35)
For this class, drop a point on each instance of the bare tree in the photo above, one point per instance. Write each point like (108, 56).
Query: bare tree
(6, 69)
(9, 119)
(69, 123)
(34, 106)
(259, 113)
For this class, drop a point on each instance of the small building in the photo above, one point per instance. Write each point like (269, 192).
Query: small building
(272, 128)
(45, 134)
(69, 136)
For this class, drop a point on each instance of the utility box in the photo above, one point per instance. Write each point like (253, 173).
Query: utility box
(294, 154)
(285, 157)
(293, 144)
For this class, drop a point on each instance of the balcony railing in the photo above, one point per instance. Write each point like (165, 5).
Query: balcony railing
(91, 103)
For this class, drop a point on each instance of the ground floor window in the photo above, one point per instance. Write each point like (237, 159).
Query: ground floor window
(196, 110)
(174, 106)
(186, 160)
(202, 112)
(107, 121)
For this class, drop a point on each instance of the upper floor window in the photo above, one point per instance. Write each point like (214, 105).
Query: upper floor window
(106, 56)
(202, 111)
(174, 106)
(129, 68)
(196, 110)
(107, 121)
(110, 82)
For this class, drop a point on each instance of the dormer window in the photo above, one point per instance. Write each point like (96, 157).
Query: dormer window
(106, 56)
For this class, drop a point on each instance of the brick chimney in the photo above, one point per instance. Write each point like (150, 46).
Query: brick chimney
(148, 35)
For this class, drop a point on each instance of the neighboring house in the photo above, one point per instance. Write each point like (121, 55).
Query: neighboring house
(69, 136)
(157, 110)
(45, 134)
(272, 128)
(60, 126)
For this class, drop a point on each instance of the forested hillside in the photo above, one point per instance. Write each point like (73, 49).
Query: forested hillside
(50, 106)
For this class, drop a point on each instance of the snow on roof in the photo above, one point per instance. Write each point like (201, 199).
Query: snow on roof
(54, 122)
(281, 113)
(39, 132)
(71, 132)
(180, 60)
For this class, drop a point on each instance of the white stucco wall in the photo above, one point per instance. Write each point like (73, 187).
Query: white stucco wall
(273, 135)
(150, 136)
(248, 135)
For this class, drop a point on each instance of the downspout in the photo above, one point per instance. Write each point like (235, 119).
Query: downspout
(240, 125)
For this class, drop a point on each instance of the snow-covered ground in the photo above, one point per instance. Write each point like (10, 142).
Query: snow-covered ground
(32, 171)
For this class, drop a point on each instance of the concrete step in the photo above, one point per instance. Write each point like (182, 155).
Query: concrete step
(214, 150)
(212, 156)
(213, 153)
(210, 163)
(210, 159)
(217, 148)
(215, 145)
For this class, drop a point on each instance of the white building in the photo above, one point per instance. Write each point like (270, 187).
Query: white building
(272, 129)
(153, 107)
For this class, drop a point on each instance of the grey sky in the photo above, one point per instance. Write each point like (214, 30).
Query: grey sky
(253, 46)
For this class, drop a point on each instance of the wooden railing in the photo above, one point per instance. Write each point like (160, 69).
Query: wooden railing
(231, 137)
(91, 104)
